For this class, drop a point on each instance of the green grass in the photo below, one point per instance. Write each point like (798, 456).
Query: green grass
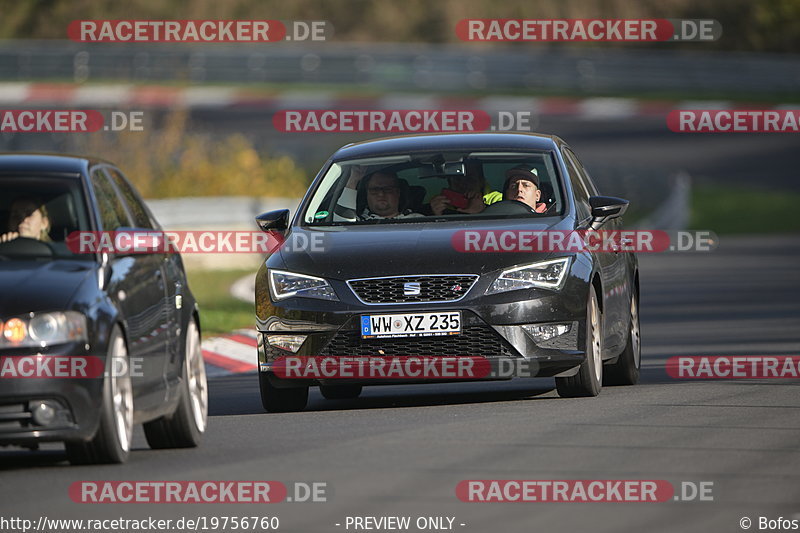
(219, 311)
(726, 210)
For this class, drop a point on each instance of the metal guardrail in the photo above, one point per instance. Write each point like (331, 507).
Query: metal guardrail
(225, 212)
(408, 66)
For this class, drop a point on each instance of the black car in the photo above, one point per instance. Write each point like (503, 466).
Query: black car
(570, 314)
(128, 318)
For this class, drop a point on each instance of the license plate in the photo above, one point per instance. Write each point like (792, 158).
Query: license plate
(411, 325)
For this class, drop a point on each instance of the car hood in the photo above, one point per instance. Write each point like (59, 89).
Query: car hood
(349, 252)
(27, 286)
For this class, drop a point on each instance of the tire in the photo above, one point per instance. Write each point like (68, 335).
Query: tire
(112, 441)
(185, 426)
(278, 400)
(589, 379)
(340, 392)
(626, 370)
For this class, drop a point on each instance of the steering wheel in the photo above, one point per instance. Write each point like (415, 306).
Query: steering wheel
(509, 207)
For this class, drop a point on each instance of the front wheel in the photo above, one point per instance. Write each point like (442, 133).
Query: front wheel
(186, 425)
(626, 370)
(112, 442)
(281, 400)
(589, 379)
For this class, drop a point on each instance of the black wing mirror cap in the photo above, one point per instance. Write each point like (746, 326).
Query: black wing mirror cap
(274, 220)
(607, 207)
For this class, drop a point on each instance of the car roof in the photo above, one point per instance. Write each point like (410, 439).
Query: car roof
(46, 162)
(448, 142)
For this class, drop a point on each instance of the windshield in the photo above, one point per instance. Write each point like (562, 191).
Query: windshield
(423, 187)
(37, 213)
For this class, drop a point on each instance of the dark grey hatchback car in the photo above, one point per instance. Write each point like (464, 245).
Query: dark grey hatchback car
(389, 275)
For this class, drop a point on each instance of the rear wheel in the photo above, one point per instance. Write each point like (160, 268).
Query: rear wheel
(626, 370)
(589, 379)
(112, 442)
(340, 392)
(186, 425)
(281, 400)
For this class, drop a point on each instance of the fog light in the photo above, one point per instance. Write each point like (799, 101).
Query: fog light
(15, 331)
(290, 343)
(545, 332)
(44, 412)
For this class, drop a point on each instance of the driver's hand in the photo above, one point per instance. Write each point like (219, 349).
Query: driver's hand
(439, 204)
(475, 204)
(356, 175)
(10, 236)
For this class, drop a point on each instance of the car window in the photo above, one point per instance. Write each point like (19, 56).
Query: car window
(358, 191)
(60, 207)
(579, 189)
(112, 212)
(141, 218)
(584, 174)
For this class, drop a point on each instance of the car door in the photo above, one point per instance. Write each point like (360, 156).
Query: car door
(171, 269)
(136, 287)
(613, 265)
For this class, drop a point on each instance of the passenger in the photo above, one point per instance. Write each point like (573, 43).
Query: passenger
(522, 185)
(385, 197)
(472, 185)
(28, 218)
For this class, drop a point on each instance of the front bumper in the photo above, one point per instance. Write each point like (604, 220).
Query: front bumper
(79, 400)
(492, 328)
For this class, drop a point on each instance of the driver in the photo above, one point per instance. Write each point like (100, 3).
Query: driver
(383, 197)
(522, 185)
(28, 218)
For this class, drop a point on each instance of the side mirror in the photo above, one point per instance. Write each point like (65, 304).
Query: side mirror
(606, 207)
(274, 220)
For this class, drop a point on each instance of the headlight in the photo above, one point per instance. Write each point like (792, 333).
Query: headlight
(545, 274)
(287, 284)
(43, 329)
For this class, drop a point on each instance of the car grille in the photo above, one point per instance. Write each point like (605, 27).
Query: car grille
(14, 417)
(481, 341)
(393, 290)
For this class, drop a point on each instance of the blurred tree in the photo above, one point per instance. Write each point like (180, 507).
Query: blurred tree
(756, 25)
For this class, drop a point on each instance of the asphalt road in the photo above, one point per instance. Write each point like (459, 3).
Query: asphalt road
(401, 450)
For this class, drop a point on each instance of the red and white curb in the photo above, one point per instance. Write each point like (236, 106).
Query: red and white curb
(231, 354)
(155, 96)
